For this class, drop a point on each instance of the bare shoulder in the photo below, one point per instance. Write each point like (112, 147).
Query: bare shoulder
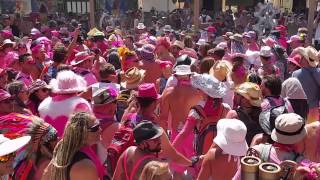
(232, 114)
(313, 128)
(84, 169)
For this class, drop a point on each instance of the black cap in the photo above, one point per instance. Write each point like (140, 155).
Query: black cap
(184, 60)
(146, 130)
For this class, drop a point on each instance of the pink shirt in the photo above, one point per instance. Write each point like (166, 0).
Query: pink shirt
(265, 105)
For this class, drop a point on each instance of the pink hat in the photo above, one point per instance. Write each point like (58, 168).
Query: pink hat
(295, 60)
(36, 49)
(55, 33)
(6, 34)
(269, 42)
(81, 57)
(294, 38)
(211, 29)
(148, 90)
(4, 95)
(163, 41)
(281, 28)
(190, 52)
(67, 82)
(164, 64)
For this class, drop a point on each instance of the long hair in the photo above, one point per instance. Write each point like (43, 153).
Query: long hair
(75, 135)
(155, 170)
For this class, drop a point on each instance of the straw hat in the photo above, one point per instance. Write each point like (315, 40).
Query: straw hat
(68, 82)
(231, 137)
(236, 37)
(221, 69)
(209, 85)
(132, 78)
(251, 92)
(289, 129)
(38, 84)
(178, 44)
(104, 96)
(312, 53)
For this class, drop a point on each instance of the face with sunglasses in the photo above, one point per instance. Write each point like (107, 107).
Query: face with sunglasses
(94, 131)
(6, 164)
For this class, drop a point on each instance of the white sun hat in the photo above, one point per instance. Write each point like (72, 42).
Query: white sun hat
(8, 146)
(68, 82)
(182, 70)
(209, 85)
(231, 137)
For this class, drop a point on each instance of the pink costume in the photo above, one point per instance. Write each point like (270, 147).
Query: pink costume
(25, 78)
(56, 110)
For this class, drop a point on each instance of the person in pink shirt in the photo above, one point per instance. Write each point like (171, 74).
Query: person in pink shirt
(251, 41)
(57, 109)
(22, 66)
(7, 53)
(283, 33)
(82, 64)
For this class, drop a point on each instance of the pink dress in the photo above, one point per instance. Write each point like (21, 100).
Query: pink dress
(56, 110)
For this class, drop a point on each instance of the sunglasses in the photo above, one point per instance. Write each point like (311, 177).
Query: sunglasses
(6, 158)
(94, 128)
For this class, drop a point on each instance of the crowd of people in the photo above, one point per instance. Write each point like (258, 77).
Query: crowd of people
(158, 103)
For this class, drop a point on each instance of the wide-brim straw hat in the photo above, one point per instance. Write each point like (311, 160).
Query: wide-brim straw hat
(132, 78)
(251, 92)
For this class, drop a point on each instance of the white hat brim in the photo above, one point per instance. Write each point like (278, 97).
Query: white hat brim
(13, 145)
(235, 149)
(283, 139)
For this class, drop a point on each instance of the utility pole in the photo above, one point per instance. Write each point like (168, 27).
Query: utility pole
(312, 8)
(91, 13)
(196, 13)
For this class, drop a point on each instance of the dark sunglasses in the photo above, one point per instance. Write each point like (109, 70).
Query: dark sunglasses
(94, 128)
(6, 158)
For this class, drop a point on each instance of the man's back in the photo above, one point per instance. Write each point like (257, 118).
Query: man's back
(310, 81)
(153, 71)
(178, 101)
(131, 163)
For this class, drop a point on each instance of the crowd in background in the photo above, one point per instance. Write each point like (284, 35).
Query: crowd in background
(159, 101)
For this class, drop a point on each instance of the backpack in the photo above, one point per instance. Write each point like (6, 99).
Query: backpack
(267, 118)
(121, 140)
(207, 130)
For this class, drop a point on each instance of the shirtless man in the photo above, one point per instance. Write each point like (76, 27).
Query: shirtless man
(217, 163)
(176, 101)
(152, 67)
(104, 108)
(131, 162)
(162, 50)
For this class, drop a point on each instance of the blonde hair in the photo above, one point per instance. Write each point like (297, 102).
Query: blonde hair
(155, 170)
(75, 136)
